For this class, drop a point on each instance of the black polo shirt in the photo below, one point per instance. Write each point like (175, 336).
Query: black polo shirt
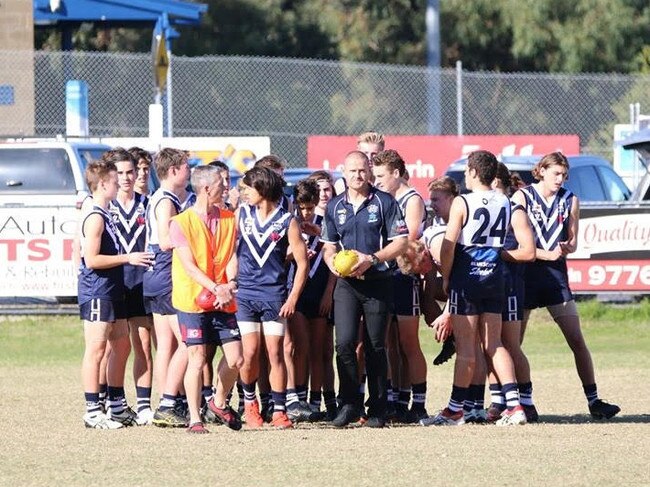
(376, 222)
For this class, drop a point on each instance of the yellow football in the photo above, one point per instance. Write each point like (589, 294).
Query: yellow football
(344, 261)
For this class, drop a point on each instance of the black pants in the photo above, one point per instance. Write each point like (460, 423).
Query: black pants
(372, 299)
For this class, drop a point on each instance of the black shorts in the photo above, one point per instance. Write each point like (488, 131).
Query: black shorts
(161, 305)
(134, 302)
(102, 310)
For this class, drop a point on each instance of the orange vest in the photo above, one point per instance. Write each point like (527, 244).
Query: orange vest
(211, 255)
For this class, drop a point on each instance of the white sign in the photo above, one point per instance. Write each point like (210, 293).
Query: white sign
(36, 251)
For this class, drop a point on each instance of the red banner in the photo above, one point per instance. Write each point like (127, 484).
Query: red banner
(609, 275)
(428, 156)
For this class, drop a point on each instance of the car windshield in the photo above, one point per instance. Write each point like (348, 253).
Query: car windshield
(36, 171)
(459, 176)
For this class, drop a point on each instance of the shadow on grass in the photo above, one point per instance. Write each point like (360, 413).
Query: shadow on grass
(586, 419)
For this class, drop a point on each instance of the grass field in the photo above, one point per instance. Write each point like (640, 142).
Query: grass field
(44, 442)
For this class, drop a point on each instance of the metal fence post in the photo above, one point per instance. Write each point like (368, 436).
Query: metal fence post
(459, 98)
(170, 122)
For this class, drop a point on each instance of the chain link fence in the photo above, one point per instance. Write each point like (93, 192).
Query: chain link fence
(290, 99)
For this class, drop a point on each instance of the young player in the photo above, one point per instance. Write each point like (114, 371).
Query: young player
(143, 162)
(389, 170)
(128, 210)
(321, 335)
(173, 171)
(473, 276)
(101, 298)
(554, 212)
(204, 239)
(266, 233)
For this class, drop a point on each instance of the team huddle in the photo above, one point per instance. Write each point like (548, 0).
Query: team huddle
(254, 272)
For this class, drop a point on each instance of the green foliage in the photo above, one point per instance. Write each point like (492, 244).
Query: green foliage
(497, 35)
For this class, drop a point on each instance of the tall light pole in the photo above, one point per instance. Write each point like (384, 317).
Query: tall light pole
(433, 66)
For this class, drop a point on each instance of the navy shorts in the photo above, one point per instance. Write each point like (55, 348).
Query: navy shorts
(254, 311)
(102, 310)
(463, 302)
(210, 327)
(546, 284)
(134, 301)
(161, 305)
(406, 291)
(513, 304)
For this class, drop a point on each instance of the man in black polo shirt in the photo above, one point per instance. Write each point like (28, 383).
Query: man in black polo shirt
(368, 221)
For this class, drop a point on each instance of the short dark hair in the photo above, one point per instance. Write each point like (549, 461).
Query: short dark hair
(168, 158)
(138, 153)
(306, 192)
(485, 164)
(446, 184)
(271, 161)
(265, 181)
(222, 166)
(391, 159)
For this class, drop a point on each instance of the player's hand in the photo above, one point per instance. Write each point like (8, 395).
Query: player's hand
(223, 294)
(556, 253)
(364, 262)
(310, 229)
(311, 253)
(442, 325)
(143, 259)
(325, 307)
(288, 308)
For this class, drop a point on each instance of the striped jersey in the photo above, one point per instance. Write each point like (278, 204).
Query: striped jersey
(549, 220)
(261, 253)
(101, 283)
(130, 226)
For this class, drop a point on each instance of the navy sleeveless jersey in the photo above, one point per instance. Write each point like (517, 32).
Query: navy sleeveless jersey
(157, 279)
(130, 225)
(318, 270)
(261, 253)
(477, 263)
(101, 283)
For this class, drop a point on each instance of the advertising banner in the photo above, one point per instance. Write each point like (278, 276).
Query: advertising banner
(428, 156)
(36, 251)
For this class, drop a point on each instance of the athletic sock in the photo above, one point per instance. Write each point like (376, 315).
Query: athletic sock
(403, 399)
(93, 405)
(390, 397)
(240, 396)
(477, 393)
(496, 396)
(265, 400)
(279, 400)
(102, 395)
(512, 395)
(249, 393)
(144, 397)
(167, 401)
(362, 392)
(315, 398)
(591, 393)
(419, 396)
(115, 400)
(526, 393)
(458, 396)
(207, 393)
(291, 399)
(330, 399)
(301, 390)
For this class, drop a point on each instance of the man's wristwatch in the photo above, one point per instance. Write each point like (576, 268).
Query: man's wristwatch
(374, 260)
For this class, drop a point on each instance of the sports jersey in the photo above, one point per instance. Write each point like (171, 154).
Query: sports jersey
(130, 226)
(157, 279)
(101, 283)
(261, 253)
(402, 201)
(368, 228)
(547, 281)
(477, 263)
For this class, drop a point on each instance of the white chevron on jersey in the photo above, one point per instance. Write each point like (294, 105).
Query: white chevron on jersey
(257, 238)
(402, 201)
(547, 218)
(128, 221)
(312, 244)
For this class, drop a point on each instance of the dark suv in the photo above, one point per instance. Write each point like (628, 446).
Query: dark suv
(591, 178)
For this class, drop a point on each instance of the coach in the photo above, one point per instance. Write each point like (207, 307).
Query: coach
(368, 221)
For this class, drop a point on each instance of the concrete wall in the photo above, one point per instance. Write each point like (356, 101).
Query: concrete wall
(16, 67)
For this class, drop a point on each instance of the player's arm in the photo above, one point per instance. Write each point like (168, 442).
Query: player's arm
(92, 228)
(331, 239)
(413, 216)
(165, 210)
(86, 205)
(325, 307)
(299, 251)
(457, 216)
(524, 235)
(571, 244)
